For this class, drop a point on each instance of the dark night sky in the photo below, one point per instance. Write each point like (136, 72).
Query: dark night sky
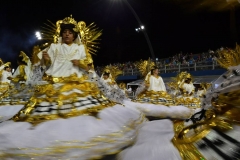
(172, 26)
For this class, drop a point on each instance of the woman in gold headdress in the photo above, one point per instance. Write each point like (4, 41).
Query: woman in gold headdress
(6, 74)
(155, 90)
(187, 91)
(186, 86)
(68, 112)
(108, 79)
(152, 98)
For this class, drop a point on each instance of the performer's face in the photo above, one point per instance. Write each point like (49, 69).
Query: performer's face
(67, 36)
(156, 71)
(105, 77)
(188, 80)
(8, 69)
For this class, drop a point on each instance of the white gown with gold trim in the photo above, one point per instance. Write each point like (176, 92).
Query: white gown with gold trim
(156, 102)
(156, 84)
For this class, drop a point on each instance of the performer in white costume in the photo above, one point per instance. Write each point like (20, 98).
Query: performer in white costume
(22, 90)
(183, 83)
(152, 98)
(68, 116)
(154, 90)
(155, 82)
(186, 86)
(110, 78)
(6, 74)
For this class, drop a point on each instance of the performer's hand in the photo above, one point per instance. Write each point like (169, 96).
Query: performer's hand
(45, 56)
(75, 62)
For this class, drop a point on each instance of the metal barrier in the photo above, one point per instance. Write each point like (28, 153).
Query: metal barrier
(178, 68)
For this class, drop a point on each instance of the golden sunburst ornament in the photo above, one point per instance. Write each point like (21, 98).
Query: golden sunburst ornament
(145, 66)
(90, 35)
(113, 70)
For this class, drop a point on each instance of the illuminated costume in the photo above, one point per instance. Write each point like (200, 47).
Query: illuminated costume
(183, 83)
(4, 81)
(111, 74)
(70, 116)
(152, 98)
(21, 90)
(153, 90)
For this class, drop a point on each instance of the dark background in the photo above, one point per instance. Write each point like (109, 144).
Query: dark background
(172, 26)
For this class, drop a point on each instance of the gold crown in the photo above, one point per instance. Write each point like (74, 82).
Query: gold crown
(106, 70)
(229, 57)
(8, 64)
(188, 76)
(145, 66)
(67, 20)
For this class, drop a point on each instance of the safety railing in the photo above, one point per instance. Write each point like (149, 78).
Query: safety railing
(178, 68)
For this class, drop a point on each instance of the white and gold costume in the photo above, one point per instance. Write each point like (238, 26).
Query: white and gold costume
(5, 75)
(155, 83)
(153, 90)
(152, 98)
(186, 90)
(4, 81)
(112, 73)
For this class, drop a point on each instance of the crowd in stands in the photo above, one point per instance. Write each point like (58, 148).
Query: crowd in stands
(189, 59)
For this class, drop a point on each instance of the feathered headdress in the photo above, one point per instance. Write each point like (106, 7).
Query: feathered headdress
(205, 85)
(179, 79)
(113, 71)
(8, 64)
(24, 57)
(182, 76)
(34, 58)
(229, 57)
(145, 66)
